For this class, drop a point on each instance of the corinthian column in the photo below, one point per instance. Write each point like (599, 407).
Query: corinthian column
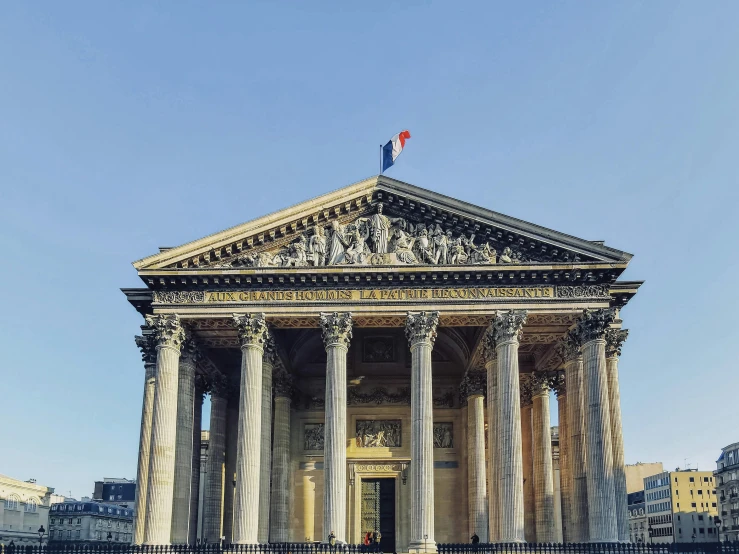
(565, 469)
(543, 471)
(252, 329)
(192, 532)
(213, 501)
(569, 351)
(491, 368)
(279, 520)
(614, 341)
(420, 330)
(507, 327)
(160, 489)
(472, 389)
(527, 456)
(336, 330)
(148, 345)
(183, 450)
(591, 331)
(268, 364)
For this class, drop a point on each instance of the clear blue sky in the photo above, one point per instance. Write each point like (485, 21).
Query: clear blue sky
(125, 126)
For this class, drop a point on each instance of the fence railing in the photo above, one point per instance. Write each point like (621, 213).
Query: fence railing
(323, 548)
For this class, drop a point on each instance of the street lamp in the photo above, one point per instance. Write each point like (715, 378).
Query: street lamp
(41, 532)
(651, 534)
(693, 537)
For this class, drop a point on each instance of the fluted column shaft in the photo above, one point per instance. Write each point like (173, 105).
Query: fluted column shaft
(507, 327)
(252, 333)
(160, 489)
(602, 516)
(183, 449)
(213, 502)
(491, 366)
(147, 343)
(192, 533)
(543, 471)
(421, 334)
(614, 340)
(565, 470)
(579, 527)
(527, 456)
(279, 521)
(337, 332)
(265, 464)
(477, 493)
(229, 466)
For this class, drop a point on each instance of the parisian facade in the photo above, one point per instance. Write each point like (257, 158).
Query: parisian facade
(383, 356)
(90, 523)
(24, 508)
(727, 490)
(638, 529)
(681, 506)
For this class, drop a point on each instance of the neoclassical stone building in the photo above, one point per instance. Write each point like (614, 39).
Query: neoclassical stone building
(380, 358)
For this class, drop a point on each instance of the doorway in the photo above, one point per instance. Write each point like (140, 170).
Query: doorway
(378, 510)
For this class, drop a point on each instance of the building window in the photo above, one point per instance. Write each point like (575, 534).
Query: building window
(692, 479)
(31, 505)
(51, 520)
(12, 503)
(69, 534)
(70, 521)
(692, 504)
(700, 491)
(79, 520)
(77, 534)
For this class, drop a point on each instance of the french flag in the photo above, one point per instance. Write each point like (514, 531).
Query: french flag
(393, 149)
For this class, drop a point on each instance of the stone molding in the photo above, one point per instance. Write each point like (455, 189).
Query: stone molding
(336, 328)
(508, 325)
(252, 329)
(593, 324)
(167, 330)
(420, 327)
(614, 341)
(147, 342)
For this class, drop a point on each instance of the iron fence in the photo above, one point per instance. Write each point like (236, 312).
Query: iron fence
(323, 548)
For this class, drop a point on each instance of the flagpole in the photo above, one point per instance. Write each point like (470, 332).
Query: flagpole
(381, 159)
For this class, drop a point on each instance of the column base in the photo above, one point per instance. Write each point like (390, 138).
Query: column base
(420, 547)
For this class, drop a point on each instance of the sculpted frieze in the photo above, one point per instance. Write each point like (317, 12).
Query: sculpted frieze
(313, 436)
(381, 239)
(378, 433)
(443, 435)
(378, 396)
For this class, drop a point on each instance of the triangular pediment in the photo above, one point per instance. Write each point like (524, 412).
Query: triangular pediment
(415, 227)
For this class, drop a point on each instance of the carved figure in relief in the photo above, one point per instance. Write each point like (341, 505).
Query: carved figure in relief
(423, 246)
(317, 246)
(442, 241)
(338, 244)
(297, 253)
(380, 225)
(443, 435)
(356, 252)
(505, 257)
(313, 438)
(483, 254)
(404, 247)
(459, 254)
(378, 434)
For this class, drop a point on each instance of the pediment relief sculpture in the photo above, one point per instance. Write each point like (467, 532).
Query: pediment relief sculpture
(381, 239)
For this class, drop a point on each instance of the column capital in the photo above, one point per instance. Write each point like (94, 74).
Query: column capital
(474, 383)
(593, 324)
(614, 341)
(283, 384)
(336, 328)
(508, 325)
(541, 382)
(559, 384)
(421, 327)
(220, 386)
(270, 350)
(568, 347)
(526, 388)
(191, 352)
(252, 329)
(147, 342)
(489, 353)
(167, 330)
